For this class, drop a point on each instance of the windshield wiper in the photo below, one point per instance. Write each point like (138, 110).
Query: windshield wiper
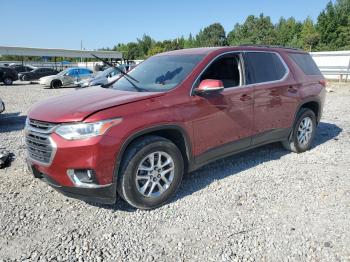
(128, 77)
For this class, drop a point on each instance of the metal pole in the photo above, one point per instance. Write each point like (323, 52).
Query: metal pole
(348, 72)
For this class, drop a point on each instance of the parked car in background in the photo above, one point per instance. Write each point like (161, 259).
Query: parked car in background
(67, 78)
(37, 73)
(101, 78)
(22, 68)
(125, 68)
(172, 114)
(8, 75)
(2, 106)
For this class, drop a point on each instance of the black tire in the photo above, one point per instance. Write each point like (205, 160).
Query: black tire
(25, 78)
(293, 143)
(56, 84)
(134, 155)
(8, 80)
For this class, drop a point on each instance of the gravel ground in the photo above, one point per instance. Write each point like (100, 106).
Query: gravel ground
(263, 205)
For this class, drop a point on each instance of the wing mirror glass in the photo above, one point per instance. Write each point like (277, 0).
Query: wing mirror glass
(209, 86)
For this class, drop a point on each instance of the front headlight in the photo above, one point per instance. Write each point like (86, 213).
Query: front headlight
(85, 130)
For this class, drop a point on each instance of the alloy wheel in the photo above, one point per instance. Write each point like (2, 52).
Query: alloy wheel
(305, 130)
(155, 174)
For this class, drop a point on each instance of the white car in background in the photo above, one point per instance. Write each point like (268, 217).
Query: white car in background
(68, 77)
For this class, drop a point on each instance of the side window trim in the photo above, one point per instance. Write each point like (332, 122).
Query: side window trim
(241, 69)
(268, 82)
(244, 67)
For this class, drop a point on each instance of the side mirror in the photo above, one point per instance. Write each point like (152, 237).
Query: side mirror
(209, 86)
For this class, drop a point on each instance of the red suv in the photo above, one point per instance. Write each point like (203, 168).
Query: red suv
(172, 114)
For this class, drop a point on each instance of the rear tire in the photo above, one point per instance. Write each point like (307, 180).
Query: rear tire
(150, 173)
(303, 132)
(8, 81)
(56, 84)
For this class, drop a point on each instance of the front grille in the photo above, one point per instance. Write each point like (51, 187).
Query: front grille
(40, 126)
(40, 146)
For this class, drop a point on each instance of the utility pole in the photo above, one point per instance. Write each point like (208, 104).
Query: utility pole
(81, 48)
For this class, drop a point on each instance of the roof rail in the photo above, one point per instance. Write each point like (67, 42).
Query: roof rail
(272, 46)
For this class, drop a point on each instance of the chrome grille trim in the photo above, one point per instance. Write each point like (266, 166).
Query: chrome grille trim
(40, 127)
(40, 146)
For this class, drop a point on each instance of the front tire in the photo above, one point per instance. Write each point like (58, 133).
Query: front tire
(303, 132)
(150, 173)
(56, 84)
(8, 81)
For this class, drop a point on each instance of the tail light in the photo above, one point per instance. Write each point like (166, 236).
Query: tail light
(323, 82)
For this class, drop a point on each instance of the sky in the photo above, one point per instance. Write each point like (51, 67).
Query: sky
(104, 23)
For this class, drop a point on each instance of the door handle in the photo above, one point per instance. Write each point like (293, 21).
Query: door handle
(245, 97)
(292, 89)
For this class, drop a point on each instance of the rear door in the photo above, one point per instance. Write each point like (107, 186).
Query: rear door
(84, 73)
(275, 95)
(42, 72)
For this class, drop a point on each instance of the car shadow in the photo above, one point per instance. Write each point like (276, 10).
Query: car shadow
(13, 84)
(12, 122)
(233, 165)
(62, 87)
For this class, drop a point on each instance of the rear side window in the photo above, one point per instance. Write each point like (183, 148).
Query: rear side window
(264, 67)
(306, 63)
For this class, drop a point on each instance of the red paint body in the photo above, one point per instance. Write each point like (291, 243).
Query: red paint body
(207, 122)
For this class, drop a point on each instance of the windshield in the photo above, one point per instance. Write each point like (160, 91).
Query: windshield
(63, 72)
(160, 73)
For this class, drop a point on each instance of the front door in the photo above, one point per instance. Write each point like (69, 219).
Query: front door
(223, 122)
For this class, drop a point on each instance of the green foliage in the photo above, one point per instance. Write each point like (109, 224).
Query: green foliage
(213, 35)
(255, 30)
(288, 32)
(309, 36)
(333, 26)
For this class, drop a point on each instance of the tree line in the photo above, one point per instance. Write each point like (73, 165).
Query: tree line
(331, 31)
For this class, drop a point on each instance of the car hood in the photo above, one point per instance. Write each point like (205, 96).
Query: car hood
(46, 78)
(82, 103)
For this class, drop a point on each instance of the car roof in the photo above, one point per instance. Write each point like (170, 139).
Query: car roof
(79, 68)
(6, 68)
(208, 50)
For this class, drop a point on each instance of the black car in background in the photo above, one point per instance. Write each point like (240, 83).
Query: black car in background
(21, 68)
(8, 75)
(37, 73)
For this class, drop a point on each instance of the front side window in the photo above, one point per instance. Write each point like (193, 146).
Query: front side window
(73, 72)
(262, 67)
(160, 73)
(227, 68)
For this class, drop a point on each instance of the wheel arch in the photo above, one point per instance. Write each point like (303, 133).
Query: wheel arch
(313, 104)
(174, 133)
